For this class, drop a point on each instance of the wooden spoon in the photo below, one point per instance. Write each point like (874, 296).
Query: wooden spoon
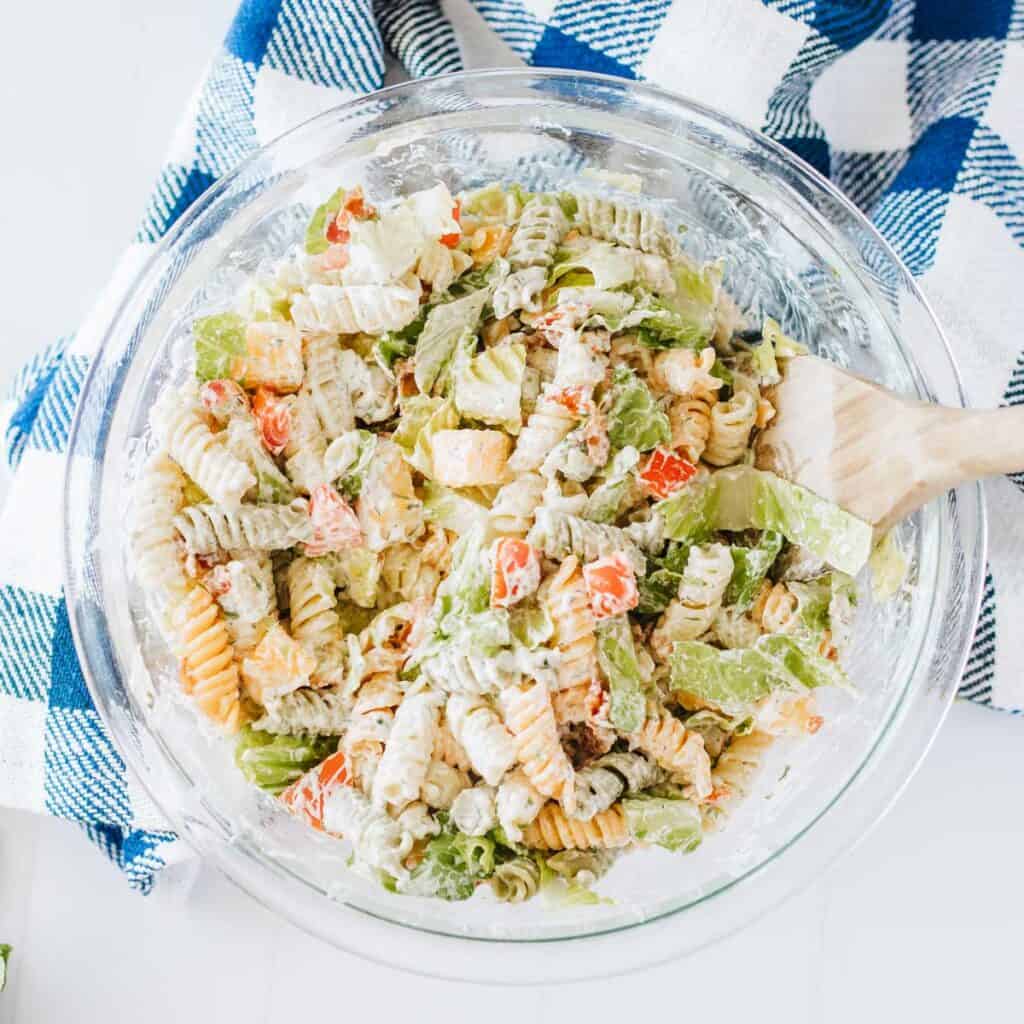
(878, 455)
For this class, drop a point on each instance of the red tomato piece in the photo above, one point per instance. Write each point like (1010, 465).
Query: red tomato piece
(452, 240)
(577, 399)
(222, 398)
(516, 572)
(665, 473)
(611, 585)
(274, 417)
(335, 524)
(305, 796)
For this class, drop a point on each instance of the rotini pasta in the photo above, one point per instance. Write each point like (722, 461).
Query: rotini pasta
(159, 494)
(678, 751)
(531, 720)
(629, 226)
(359, 308)
(516, 881)
(541, 227)
(691, 614)
(407, 751)
(328, 386)
(565, 597)
(553, 829)
(207, 528)
(731, 423)
(478, 728)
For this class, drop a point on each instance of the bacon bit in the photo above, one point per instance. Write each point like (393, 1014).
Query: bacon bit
(305, 796)
(452, 240)
(611, 585)
(516, 572)
(274, 417)
(578, 399)
(335, 524)
(598, 702)
(595, 438)
(665, 473)
(222, 398)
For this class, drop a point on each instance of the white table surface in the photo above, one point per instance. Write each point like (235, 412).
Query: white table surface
(924, 921)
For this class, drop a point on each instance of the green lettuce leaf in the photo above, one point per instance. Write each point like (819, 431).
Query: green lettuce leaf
(351, 479)
(687, 318)
(634, 417)
(735, 680)
(422, 417)
(452, 510)
(749, 568)
(783, 346)
(395, 345)
(489, 387)
(609, 266)
(274, 762)
(444, 326)
(657, 590)
(452, 865)
(5, 955)
(531, 625)
(606, 499)
(672, 824)
(466, 590)
(219, 341)
(627, 687)
(742, 498)
(316, 232)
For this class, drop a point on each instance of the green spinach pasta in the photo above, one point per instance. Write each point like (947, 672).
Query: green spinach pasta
(456, 532)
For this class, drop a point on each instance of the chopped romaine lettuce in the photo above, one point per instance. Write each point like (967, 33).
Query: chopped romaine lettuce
(687, 318)
(609, 266)
(531, 624)
(734, 680)
(657, 590)
(452, 865)
(749, 568)
(627, 687)
(762, 359)
(5, 955)
(444, 326)
(422, 418)
(351, 477)
(466, 590)
(741, 498)
(489, 387)
(783, 346)
(813, 601)
(452, 510)
(672, 824)
(634, 417)
(395, 345)
(316, 232)
(359, 569)
(219, 342)
(606, 499)
(274, 762)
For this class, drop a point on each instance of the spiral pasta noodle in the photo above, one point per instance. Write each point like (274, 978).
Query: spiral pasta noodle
(513, 507)
(553, 829)
(731, 423)
(327, 386)
(614, 221)
(610, 777)
(531, 720)
(321, 712)
(673, 747)
(516, 881)
(691, 614)
(548, 424)
(208, 528)
(358, 308)
(565, 597)
(311, 597)
(541, 227)
(480, 731)
(159, 494)
(208, 668)
(734, 775)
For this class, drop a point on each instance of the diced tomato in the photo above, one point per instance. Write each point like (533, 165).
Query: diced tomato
(335, 524)
(305, 796)
(353, 206)
(337, 229)
(577, 399)
(452, 240)
(274, 417)
(516, 572)
(665, 473)
(222, 398)
(611, 585)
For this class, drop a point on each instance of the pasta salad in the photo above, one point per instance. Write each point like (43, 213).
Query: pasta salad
(455, 529)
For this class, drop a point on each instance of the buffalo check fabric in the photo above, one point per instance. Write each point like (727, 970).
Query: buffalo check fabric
(915, 108)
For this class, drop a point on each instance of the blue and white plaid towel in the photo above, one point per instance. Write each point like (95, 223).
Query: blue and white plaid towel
(915, 108)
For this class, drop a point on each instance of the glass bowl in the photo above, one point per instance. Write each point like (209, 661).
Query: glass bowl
(795, 249)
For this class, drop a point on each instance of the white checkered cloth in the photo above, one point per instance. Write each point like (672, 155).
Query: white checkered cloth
(915, 108)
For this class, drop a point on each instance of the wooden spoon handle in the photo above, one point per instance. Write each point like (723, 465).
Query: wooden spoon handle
(967, 444)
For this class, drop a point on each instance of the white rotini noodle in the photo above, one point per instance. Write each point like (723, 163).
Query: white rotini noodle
(370, 724)
(306, 445)
(691, 613)
(388, 508)
(449, 749)
(200, 453)
(473, 811)
(455, 670)
(521, 290)
(559, 535)
(242, 438)
(615, 221)
(159, 494)
(482, 734)
(518, 803)
(374, 398)
(358, 308)
(323, 712)
(541, 227)
(610, 777)
(549, 422)
(731, 423)
(413, 571)
(377, 840)
(687, 377)
(439, 266)
(328, 386)
(565, 597)
(408, 750)
(314, 606)
(531, 720)
(442, 785)
(418, 820)
(513, 507)
(208, 528)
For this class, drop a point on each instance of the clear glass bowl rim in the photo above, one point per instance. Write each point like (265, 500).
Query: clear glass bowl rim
(530, 968)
